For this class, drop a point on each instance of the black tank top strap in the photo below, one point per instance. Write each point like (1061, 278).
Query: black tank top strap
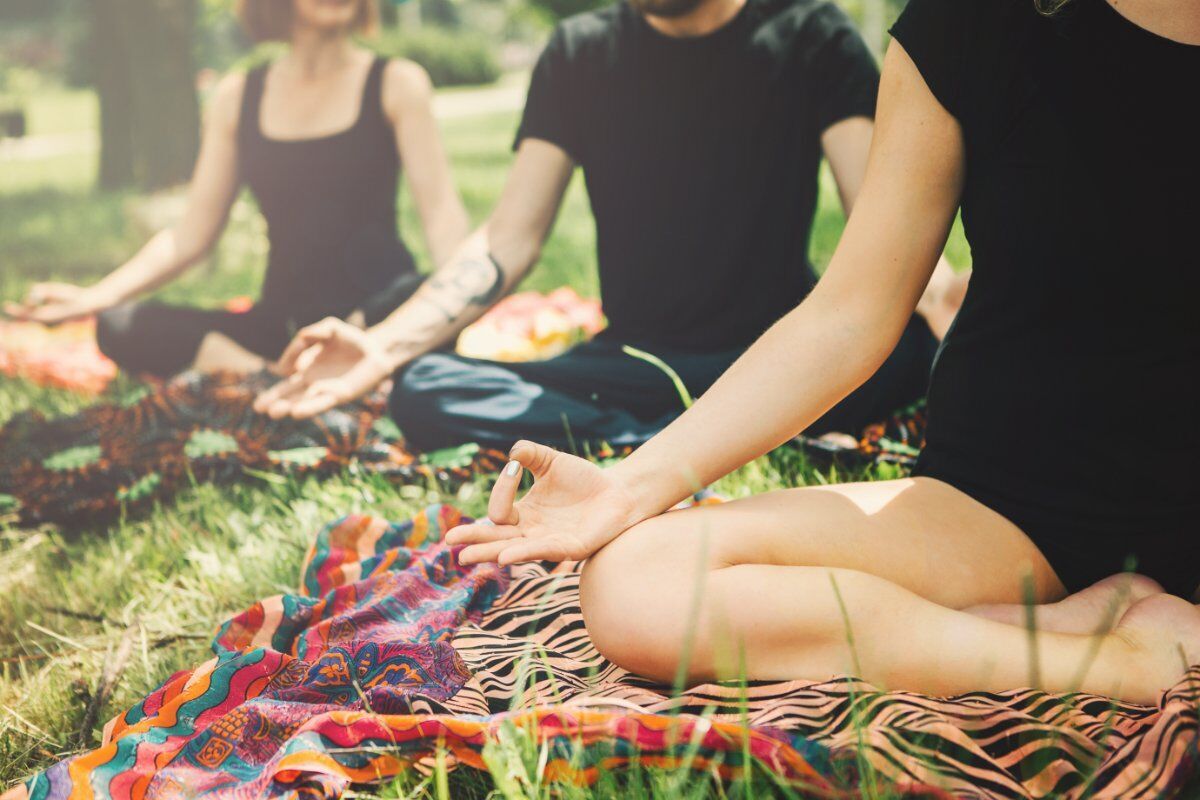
(372, 99)
(252, 92)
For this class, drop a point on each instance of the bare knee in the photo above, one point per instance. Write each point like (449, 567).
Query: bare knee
(652, 597)
(218, 353)
(115, 333)
(1133, 586)
(634, 601)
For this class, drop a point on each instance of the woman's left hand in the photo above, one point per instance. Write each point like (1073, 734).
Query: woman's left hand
(573, 510)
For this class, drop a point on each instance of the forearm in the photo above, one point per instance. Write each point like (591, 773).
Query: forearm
(161, 260)
(447, 229)
(798, 370)
(480, 272)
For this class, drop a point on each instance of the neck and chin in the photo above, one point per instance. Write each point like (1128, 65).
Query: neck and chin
(685, 19)
(315, 51)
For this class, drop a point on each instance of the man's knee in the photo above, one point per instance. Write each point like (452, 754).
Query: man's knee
(420, 391)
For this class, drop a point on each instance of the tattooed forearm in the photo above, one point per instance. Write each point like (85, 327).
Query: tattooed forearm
(457, 287)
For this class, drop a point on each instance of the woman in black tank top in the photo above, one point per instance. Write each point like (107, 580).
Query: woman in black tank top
(314, 137)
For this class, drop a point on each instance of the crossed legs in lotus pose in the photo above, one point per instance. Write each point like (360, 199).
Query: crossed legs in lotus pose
(869, 579)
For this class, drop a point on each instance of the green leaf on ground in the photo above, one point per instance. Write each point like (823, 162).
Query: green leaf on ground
(300, 456)
(451, 457)
(892, 446)
(141, 488)
(73, 458)
(387, 428)
(206, 443)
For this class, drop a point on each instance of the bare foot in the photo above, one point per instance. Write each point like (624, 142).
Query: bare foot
(941, 301)
(1158, 639)
(219, 353)
(1096, 609)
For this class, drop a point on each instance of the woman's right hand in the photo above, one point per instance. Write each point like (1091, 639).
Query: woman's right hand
(55, 303)
(574, 509)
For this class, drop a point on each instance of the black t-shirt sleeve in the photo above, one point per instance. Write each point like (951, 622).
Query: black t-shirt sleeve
(935, 35)
(550, 109)
(845, 73)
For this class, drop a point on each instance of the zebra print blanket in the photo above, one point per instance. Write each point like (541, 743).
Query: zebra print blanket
(390, 648)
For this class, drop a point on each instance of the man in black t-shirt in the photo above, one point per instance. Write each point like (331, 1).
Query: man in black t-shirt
(700, 126)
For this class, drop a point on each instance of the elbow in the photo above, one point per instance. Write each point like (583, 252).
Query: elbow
(187, 248)
(864, 329)
(189, 257)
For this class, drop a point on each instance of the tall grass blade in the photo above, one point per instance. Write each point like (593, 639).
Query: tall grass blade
(1029, 596)
(684, 395)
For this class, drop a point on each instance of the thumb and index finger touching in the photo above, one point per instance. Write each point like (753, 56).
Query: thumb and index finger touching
(316, 333)
(503, 515)
(277, 401)
(537, 458)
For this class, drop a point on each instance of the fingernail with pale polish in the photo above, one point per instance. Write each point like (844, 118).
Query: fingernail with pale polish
(512, 468)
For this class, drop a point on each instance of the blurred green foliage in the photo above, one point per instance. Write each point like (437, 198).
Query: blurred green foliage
(452, 58)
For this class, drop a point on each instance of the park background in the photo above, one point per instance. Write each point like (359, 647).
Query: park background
(100, 102)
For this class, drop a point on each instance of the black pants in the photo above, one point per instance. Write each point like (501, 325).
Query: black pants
(596, 393)
(161, 339)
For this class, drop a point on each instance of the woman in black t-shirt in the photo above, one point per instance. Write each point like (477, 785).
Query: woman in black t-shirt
(1068, 138)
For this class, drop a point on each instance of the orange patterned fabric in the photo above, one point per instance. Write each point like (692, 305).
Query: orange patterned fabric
(64, 357)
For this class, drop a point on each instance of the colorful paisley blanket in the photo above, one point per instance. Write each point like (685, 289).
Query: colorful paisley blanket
(390, 649)
(113, 456)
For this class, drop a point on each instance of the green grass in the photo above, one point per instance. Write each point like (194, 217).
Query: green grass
(66, 598)
(60, 110)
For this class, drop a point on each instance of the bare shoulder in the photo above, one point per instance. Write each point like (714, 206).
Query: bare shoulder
(406, 87)
(225, 106)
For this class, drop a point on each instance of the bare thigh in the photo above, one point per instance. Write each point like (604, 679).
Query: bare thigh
(918, 533)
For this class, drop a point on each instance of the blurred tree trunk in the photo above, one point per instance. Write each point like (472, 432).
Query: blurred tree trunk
(111, 78)
(145, 77)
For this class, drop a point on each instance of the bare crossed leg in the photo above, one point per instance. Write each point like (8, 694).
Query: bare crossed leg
(219, 353)
(1097, 608)
(864, 579)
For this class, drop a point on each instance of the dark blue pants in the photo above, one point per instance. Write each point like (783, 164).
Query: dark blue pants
(596, 393)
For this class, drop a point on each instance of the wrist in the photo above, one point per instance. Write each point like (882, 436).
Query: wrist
(388, 353)
(642, 488)
(99, 298)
